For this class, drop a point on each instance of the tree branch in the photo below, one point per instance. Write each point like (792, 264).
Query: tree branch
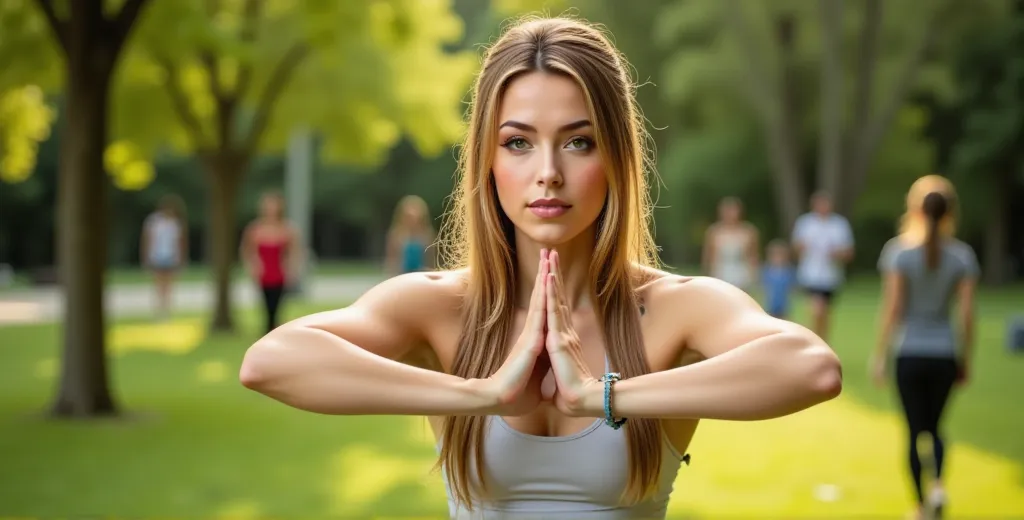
(251, 15)
(278, 80)
(59, 27)
(125, 20)
(180, 103)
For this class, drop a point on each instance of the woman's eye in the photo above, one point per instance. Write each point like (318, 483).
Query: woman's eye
(516, 143)
(580, 143)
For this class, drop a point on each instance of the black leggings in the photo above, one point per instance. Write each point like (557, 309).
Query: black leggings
(924, 385)
(271, 302)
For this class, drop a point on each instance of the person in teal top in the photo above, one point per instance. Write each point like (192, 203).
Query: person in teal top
(410, 238)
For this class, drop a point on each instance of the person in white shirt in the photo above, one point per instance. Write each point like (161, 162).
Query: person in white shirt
(164, 248)
(823, 242)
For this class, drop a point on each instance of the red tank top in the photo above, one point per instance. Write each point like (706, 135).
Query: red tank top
(272, 260)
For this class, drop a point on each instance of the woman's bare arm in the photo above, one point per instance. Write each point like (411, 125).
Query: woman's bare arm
(247, 250)
(756, 367)
(892, 304)
(965, 293)
(343, 362)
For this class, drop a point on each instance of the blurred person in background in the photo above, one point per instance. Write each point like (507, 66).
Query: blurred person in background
(164, 248)
(823, 241)
(731, 246)
(271, 253)
(925, 270)
(778, 279)
(562, 391)
(410, 238)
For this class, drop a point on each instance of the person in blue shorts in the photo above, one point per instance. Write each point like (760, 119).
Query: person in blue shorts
(778, 278)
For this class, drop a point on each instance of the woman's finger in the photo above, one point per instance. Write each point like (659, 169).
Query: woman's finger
(563, 300)
(538, 297)
(554, 317)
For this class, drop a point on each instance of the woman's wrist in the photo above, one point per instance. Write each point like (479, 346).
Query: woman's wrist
(478, 397)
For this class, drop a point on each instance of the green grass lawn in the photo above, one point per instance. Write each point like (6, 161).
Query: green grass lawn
(196, 444)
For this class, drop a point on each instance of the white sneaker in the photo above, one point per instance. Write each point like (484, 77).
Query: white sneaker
(936, 503)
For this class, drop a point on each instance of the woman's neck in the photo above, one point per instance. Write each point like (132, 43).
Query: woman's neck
(574, 257)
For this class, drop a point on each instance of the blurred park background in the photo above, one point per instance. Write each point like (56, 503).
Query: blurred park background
(106, 106)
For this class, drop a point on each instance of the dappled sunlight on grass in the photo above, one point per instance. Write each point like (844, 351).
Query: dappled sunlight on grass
(212, 371)
(46, 368)
(239, 510)
(365, 474)
(170, 337)
(840, 458)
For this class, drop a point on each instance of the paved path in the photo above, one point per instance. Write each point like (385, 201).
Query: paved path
(45, 305)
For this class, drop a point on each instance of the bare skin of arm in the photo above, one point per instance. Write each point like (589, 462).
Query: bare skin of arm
(344, 362)
(892, 304)
(247, 251)
(756, 367)
(965, 293)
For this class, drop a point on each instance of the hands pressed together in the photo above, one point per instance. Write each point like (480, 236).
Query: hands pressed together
(548, 343)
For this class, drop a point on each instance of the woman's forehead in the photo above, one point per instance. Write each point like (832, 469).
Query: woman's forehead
(546, 102)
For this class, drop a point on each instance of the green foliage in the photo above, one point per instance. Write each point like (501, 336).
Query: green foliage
(989, 152)
(362, 73)
(30, 64)
(25, 121)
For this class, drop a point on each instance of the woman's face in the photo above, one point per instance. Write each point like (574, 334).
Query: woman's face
(271, 206)
(548, 172)
(412, 215)
(729, 212)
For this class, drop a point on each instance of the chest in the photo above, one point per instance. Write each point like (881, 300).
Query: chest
(821, 233)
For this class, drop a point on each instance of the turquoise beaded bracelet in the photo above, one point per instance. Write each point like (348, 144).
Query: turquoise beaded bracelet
(609, 379)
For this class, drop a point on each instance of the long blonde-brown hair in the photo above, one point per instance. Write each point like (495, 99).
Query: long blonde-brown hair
(399, 223)
(478, 236)
(913, 227)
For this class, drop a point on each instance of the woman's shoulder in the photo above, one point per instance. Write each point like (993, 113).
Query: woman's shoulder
(890, 251)
(658, 286)
(963, 252)
(427, 285)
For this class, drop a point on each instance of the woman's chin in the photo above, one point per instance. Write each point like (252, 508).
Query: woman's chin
(548, 237)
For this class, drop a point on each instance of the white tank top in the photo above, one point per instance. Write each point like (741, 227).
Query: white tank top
(164, 239)
(730, 260)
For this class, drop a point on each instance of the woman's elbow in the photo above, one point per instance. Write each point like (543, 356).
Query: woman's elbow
(261, 365)
(825, 373)
(253, 374)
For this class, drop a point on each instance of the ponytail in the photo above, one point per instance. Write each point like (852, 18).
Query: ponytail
(934, 207)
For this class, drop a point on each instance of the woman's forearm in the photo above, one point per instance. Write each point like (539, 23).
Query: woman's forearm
(967, 334)
(767, 378)
(885, 334)
(313, 370)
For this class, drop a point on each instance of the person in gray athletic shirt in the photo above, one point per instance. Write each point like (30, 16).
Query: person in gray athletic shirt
(925, 269)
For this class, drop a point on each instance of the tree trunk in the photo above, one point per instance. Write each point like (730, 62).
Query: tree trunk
(224, 173)
(82, 224)
(790, 191)
(831, 85)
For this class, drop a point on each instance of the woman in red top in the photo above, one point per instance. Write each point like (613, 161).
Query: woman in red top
(270, 252)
